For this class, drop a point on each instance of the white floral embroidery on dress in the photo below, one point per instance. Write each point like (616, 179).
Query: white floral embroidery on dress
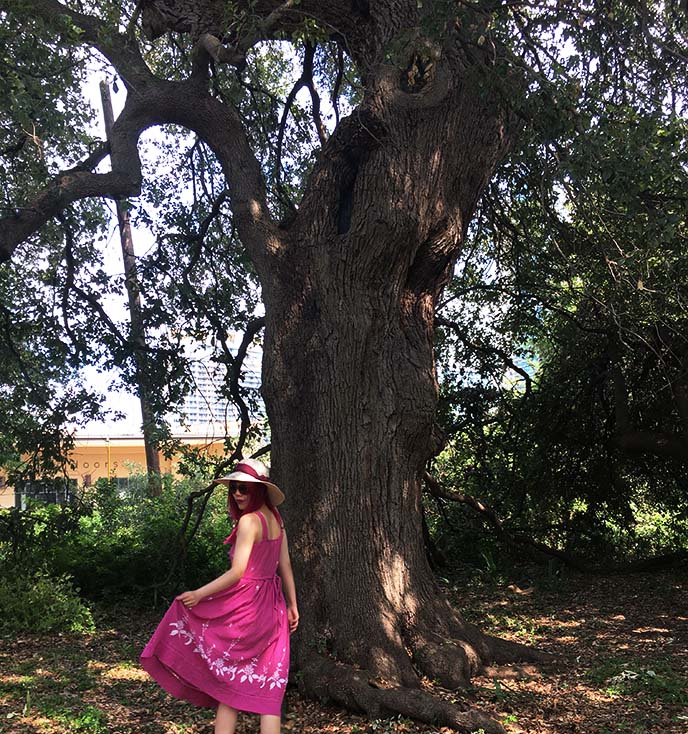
(220, 666)
(275, 680)
(181, 631)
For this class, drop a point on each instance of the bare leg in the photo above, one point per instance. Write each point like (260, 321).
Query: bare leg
(225, 719)
(269, 724)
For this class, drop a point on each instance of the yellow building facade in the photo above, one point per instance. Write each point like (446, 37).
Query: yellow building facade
(102, 457)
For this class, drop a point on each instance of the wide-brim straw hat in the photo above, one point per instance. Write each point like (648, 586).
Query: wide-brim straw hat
(252, 470)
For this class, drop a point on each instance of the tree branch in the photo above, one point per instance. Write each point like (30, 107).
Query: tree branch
(64, 189)
(8, 326)
(653, 442)
(68, 285)
(489, 514)
(149, 102)
(234, 365)
(363, 30)
(181, 103)
(305, 80)
(236, 53)
(436, 490)
(118, 48)
(645, 442)
(338, 83)
(440, 321)
(14, 148)
(185, 536)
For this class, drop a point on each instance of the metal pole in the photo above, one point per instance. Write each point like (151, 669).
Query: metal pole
(138, 335)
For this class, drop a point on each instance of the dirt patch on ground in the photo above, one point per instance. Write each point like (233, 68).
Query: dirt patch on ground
(619, 648)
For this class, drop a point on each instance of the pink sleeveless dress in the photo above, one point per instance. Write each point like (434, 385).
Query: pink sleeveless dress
(232, 647)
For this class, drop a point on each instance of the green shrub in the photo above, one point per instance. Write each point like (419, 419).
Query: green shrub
(129, 545)
(120, 543)
(35, 601)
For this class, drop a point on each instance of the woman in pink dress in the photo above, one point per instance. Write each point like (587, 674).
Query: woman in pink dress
(226, 644)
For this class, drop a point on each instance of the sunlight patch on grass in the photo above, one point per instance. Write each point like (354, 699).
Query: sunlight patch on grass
(650, 630)
(174, 727)
(653, 680)
(17, 680)
(570, 624)
(96, 666)
(595, 696)
(125, 672)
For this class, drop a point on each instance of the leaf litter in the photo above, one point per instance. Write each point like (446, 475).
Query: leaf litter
(619, 664)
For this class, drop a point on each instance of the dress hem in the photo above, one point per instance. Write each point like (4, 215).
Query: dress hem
(176, 686)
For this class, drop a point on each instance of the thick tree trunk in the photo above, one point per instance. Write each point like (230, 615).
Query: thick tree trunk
(351, 434)
(350, 387)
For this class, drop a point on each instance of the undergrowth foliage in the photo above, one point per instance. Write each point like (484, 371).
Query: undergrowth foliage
(591, 532)
(38, 601)
(109, 546)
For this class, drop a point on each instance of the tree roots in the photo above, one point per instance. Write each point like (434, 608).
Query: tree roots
(353, 689)
(506, 651)
(441, 647)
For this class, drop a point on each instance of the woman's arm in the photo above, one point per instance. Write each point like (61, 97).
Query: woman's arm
(288, 585)
(247, 534)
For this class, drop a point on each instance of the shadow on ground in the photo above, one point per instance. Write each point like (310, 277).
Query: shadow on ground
(619, 665)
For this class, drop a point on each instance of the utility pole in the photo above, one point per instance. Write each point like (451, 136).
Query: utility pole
(138, 335)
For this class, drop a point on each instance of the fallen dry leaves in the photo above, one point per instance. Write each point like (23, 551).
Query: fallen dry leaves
(619, 648)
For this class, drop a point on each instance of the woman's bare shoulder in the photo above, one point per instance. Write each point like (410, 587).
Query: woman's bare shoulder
(249, 521)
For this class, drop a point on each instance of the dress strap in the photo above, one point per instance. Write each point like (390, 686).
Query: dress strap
(264, 524)
(278, 517)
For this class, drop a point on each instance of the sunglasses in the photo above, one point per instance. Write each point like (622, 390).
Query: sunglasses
(239, 489)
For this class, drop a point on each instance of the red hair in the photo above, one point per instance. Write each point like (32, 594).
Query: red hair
(257, 497)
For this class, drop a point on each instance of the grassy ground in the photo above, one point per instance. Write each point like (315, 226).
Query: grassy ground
(620, 665)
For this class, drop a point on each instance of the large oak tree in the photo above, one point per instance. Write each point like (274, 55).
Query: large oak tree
(352, 247)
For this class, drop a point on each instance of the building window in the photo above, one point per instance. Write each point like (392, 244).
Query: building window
(50, 491)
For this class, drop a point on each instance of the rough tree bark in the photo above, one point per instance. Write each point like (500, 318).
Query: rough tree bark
(351, 392)
(349, 285)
